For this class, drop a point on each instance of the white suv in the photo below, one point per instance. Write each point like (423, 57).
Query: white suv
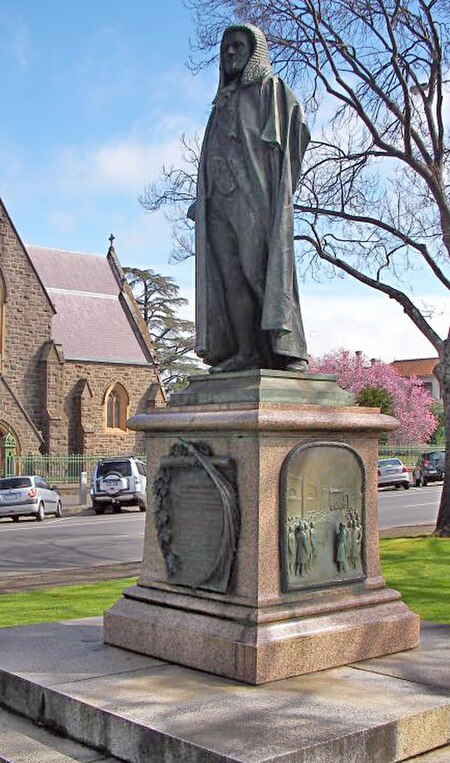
(118, 482)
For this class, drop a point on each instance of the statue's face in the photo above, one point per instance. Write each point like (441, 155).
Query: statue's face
(236, 51)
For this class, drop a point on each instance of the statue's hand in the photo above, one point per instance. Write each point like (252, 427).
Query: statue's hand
(191, 211)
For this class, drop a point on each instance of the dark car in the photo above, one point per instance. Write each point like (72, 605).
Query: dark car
(429, 467)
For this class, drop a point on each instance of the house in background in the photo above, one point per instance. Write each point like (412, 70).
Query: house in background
(423, 369)
(76, 359)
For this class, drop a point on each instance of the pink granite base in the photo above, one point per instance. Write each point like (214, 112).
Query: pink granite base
(259, 630)
(257, 653)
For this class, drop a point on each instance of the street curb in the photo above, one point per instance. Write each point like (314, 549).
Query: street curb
(73, 576)
(408, 531)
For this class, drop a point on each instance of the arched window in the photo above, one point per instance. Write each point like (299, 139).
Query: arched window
(116, 405)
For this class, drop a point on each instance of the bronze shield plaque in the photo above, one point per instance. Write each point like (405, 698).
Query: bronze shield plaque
(322, 516)
(197, 516)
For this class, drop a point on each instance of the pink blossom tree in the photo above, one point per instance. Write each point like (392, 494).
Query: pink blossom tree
(412, 405)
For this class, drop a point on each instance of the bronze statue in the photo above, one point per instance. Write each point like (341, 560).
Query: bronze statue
(247, 305)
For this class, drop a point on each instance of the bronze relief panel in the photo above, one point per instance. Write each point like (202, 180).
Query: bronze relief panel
(322, 516)
(197, 515)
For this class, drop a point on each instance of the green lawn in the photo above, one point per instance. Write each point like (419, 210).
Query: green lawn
(417, 567)
(420, 569)
(60, 603)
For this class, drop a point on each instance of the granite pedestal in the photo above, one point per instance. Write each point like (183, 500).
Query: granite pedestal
(268, 621)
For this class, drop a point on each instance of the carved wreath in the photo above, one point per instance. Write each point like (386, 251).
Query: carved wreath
(230, 510)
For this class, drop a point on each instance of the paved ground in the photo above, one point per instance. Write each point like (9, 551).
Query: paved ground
(22, 741)
(141, 709)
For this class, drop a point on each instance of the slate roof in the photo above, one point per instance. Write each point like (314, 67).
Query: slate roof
(419, 367)
(90, 321)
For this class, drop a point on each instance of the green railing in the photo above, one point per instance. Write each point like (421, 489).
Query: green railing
(408, 453)
(66, 469)
(56, 469)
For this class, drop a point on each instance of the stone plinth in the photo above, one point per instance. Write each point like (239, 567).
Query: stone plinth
(267, 614)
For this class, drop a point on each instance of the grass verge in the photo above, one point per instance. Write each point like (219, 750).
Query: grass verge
(417, 567)
(61, 602)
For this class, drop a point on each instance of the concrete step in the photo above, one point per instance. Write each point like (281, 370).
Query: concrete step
(19, 748)
(437, 756)
(143, 710)
(22, 741)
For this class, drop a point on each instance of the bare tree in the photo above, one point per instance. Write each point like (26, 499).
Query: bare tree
(373, 200)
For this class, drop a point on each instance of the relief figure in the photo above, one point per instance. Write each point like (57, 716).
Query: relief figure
(303, 549)
(356, 535)
(291, 546)
(342, 547)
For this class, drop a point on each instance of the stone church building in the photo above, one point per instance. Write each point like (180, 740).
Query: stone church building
(76, 359)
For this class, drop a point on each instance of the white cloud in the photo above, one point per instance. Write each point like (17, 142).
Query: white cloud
(188, 311)
(14, 39)
(373, 323)
(63, 221)
(142, 240)
(125, 165)
(12, 162)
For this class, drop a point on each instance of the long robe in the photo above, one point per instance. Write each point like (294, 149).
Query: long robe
(266, 145)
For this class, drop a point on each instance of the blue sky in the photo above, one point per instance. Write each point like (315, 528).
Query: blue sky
(94, 98)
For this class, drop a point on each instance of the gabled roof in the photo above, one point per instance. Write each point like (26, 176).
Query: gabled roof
(415, 367)
(91, 321)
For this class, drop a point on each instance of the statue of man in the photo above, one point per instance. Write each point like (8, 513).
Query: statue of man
(247, 305)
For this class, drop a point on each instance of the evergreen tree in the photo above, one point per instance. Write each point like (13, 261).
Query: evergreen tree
(173, 337)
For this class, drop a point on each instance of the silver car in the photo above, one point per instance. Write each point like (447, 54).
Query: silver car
(118, 482)
(29, 495)
(392, 472)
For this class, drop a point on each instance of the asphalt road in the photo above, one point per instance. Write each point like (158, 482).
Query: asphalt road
(68, 542)
(88, 540)
(403, 508)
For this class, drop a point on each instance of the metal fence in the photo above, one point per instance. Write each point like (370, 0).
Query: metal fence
(66, 469)
(57, 469)
(408, 453)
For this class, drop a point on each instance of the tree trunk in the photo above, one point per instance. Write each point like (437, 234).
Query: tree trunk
(443, 374)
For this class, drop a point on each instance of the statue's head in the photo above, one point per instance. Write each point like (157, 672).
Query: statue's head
(236, 49)
(243, 55)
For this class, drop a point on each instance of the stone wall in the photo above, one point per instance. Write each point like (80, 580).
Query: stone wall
(85, 386)
(28, 317)
(14, 420)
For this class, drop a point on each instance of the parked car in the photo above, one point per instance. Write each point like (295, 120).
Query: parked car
(28, 495)
(392, 472)
(118, 482)
(429, 468)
